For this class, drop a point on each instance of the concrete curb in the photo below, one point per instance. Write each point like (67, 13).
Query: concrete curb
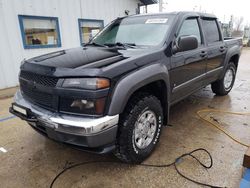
(7, 93)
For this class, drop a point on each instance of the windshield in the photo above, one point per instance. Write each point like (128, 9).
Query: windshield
(139, 31)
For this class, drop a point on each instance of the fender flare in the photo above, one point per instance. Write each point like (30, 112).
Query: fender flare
(127, 85)
(235, 50)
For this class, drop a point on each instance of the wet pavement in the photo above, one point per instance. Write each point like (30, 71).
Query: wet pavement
(30, 160)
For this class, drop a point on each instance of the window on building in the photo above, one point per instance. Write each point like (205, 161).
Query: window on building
(190, 27)
(89, 28)
(211, 30)
(39, 32)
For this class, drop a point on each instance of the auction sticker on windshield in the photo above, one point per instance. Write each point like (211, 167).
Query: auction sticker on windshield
(156, 21)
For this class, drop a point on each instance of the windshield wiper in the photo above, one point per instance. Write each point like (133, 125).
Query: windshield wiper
(125, 45)
(95, 44)
(118, 44)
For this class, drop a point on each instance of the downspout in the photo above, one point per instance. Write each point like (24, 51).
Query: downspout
(80, 1)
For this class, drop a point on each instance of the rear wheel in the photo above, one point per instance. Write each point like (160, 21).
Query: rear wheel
(139, 128)
(223, 86)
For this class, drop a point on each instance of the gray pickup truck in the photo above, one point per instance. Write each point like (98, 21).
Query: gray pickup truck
(115, 92)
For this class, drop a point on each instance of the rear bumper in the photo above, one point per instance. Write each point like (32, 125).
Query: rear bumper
(91, 134)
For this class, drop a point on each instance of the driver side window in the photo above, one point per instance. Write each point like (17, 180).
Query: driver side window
(190, 27)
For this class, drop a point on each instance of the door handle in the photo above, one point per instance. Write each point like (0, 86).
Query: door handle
(203, 54)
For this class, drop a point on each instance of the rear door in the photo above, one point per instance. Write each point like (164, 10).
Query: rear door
(216, 48)
(188, 68)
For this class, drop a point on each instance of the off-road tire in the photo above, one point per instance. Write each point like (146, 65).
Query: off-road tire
(126, 149)
(218, 87)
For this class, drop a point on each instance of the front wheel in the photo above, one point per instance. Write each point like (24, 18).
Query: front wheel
(139, 128)
(223, 86)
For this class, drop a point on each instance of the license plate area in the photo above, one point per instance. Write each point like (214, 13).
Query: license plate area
(20, 109)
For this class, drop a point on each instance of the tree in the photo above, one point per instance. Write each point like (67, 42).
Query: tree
(237, 27)
(238, 23)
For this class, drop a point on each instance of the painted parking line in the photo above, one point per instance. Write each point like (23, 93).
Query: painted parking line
(7, 118)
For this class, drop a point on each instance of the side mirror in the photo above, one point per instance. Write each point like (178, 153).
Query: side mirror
(186, 43)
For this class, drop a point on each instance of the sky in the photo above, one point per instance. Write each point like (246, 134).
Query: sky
(223, 9)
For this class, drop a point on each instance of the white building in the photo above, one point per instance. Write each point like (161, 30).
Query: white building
(30, 28)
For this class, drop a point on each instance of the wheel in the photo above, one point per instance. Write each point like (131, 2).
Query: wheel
(223, 86)
(139, 128)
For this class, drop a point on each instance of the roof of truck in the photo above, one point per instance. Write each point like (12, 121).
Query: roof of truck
(201, 14)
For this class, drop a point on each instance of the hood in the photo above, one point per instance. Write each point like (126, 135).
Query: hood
(85, 61)
(82, 57)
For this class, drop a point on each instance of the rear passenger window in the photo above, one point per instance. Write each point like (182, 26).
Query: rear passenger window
(190, 27)
(211, 31)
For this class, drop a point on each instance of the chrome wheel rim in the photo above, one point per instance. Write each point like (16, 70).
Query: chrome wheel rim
(228, 79)
(145, 128)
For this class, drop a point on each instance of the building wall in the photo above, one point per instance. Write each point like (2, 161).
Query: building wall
(68, 12)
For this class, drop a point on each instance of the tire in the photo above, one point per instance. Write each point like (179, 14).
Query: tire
(129, 145)
(223, 87)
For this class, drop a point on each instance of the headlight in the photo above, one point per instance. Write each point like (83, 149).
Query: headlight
(86, 83)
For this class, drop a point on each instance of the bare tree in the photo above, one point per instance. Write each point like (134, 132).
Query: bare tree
(237, 26)
(238, 23)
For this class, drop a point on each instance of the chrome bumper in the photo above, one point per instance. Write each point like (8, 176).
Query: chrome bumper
(82, 126)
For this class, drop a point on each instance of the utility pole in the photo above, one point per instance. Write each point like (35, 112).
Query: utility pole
(160, 5)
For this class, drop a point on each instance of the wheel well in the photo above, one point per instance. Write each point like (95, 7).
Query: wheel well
(159, 90)
(235, 60)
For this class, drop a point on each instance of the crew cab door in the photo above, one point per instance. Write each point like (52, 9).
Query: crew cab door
(188, 67)
(216, 49)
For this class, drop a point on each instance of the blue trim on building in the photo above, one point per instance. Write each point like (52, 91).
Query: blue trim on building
(21, 17)
(88, 20)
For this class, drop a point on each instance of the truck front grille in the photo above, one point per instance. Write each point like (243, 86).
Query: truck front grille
(39, 79)
(28, 86)
(41, 98)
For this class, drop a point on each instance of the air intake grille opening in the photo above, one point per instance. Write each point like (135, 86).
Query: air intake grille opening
(28, 86)
(38, 97)
(39, 79)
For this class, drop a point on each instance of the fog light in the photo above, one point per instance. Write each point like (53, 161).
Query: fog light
(81, 104)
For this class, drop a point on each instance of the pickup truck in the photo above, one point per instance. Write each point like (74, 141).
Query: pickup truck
(115, 92)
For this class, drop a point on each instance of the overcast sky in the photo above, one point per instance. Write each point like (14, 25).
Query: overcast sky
(221, 8)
